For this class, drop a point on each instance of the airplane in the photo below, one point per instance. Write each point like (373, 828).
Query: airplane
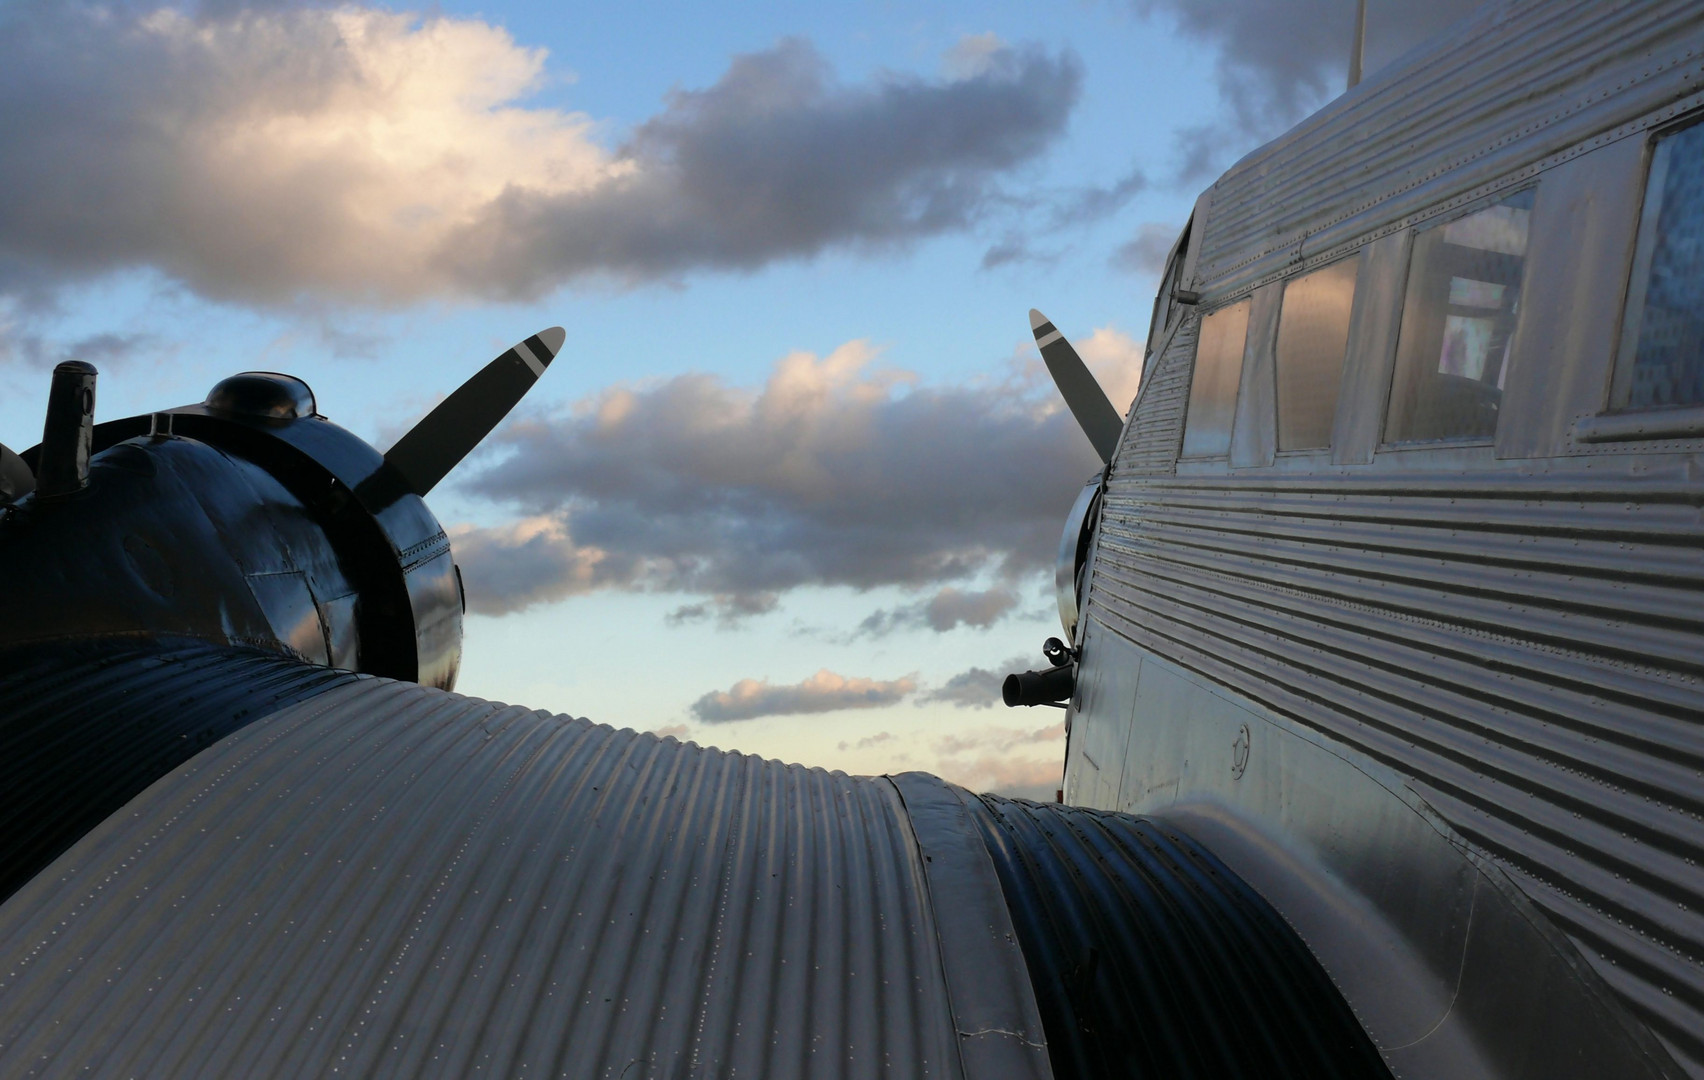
(1380, 665)
(1389, 590)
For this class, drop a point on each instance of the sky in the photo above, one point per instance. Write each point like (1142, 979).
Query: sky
(795, 484)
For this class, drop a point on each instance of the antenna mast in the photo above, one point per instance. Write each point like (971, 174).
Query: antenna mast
(1360, 43)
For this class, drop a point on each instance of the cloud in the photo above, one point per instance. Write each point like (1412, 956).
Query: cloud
(823, 692)
(1114, 358)
(1010, 250)
(1086, 205)
(672, 731)
(999, 740)
(275, 154)
(776, 160)
(835, 472)
(1145, 253)
(977, 688)
(869, 741)
(102, 349)
(946, 610)
(1281, 59)
(1002, 760)
(729, 610)
(510, 568)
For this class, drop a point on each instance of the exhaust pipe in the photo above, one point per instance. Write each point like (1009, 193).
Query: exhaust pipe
(68, 435)
(1050, 687)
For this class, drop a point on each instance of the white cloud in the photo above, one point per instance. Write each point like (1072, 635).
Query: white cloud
(835, 472)
(823, 692)
(1115, 360)
(359, 155)
(1027, 763)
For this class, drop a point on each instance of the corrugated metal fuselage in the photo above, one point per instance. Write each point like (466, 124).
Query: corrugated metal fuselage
(1440, 701)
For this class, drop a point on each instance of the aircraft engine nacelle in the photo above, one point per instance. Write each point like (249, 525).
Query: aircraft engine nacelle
(247, 519)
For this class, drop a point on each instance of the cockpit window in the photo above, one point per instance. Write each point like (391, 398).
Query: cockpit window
(1464, 288)
(1163, 299)
(1313, 335)
(1213, 390)
(1662, 337)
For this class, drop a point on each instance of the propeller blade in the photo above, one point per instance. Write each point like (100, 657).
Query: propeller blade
(450, 432)
(16, 479)
(1082, 394)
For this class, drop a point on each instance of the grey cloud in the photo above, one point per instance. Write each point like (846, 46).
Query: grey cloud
(1145, 253)
(977, 688)
(201, 144)
(777, 161)
(729, 610)
(1007, 251)
(823, 692)
(830, 475)
(1281, 59)
(946, 610)
(869, 741)
(1088, 205)
(1071, 208)
(102, 349)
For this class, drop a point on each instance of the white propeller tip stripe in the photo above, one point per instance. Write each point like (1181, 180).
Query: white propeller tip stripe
(553, 339)
(1036, 318)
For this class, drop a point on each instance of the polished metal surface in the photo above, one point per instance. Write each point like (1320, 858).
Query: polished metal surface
(87, 725)
(1152, 959)
(1155, 432)
(1073, 551)
(1519, 85)
(67, 434)
(1438, 702)
(1524, 649)
(240, 527)
(265, 394)
(386, 879)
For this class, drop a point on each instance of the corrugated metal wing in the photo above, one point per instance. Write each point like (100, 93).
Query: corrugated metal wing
(392, 880)
(87, 725)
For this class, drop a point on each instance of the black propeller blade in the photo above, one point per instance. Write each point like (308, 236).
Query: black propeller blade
(1082, 394)
(16, 479)
(448, 433)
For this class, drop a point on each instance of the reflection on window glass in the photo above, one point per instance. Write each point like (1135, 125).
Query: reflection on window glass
(1313, 334)
(1213, 391)
(1464, 288)
(1662, 342)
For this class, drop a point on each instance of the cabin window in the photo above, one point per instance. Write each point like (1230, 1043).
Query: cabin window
(1213, 391)
(1662, 338)
(1313, 335)
(1464, 287)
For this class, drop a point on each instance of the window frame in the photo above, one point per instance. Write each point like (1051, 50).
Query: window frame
(1419, 229)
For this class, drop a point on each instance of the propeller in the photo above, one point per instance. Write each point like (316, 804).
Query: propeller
(1082, 394)
(16, 479)
(450, 432)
